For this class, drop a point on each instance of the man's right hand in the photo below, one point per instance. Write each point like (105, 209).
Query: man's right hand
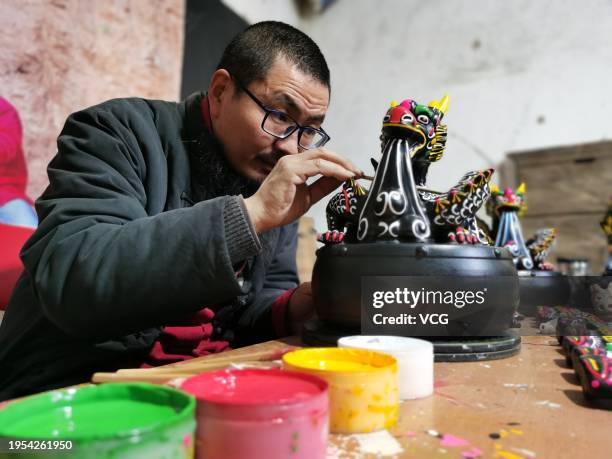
(284, 196)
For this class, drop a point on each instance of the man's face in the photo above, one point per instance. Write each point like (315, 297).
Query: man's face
(236, 118)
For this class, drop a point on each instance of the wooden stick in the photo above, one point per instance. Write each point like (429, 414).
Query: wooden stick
(154, 378)
(156, 375)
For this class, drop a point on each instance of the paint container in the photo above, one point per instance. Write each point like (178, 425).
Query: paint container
(415, 361)
(363, 387)
(254, 414)
(130, 421)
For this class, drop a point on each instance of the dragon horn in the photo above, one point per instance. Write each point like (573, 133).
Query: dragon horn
(521, 189)
(443, 104)
(394, 103)
(494, 189)
(433, 104)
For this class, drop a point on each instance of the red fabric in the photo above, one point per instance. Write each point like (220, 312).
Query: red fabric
(192, 337)
(185, 340)
(12, 239)
(13, 172)
(279, 313)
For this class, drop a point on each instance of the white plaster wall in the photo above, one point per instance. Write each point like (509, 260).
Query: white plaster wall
(520, 74)
(253, 11)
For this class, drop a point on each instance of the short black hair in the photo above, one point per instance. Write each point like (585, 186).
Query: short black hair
(252, 52)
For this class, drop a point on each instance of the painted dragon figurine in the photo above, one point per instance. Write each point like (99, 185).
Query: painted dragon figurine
(412, 138)
(505, 208)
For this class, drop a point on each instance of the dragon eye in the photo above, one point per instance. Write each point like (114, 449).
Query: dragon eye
(423, 119)
(406, 118)
(386, 118)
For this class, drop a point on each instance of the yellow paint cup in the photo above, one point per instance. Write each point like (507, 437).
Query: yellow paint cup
(363, 385)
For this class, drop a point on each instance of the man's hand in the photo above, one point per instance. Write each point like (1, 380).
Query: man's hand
(284, 195)
(300, 308)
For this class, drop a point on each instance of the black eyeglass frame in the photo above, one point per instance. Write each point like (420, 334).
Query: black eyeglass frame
(296, 125)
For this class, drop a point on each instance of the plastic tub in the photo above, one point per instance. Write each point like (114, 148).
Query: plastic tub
(110, 420)
(363, 387)
(271, 414)
(415, 360)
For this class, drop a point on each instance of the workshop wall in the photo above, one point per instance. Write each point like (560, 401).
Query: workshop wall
(521, 75)
(64, 55)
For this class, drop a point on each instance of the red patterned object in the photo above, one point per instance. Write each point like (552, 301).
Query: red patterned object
(12, 239)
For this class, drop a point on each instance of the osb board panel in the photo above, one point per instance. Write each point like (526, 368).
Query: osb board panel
(569, 182)
(60, 56)
(307, 245)
(579, 236)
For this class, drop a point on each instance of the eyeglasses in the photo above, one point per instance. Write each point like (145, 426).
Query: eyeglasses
(280, 125)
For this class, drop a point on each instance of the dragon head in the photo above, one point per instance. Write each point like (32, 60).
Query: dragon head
(509, 199)
(421, 126)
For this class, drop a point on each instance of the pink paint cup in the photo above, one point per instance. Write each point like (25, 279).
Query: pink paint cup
(274, 414)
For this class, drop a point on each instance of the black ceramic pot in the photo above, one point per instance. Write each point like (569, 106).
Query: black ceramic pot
(339, 269)
(542, 288)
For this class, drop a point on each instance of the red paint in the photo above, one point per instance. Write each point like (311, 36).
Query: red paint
(441, 383)
(243, 413)
(253, 387)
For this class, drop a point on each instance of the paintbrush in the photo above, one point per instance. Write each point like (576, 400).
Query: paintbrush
(365, 177)
(259, 352)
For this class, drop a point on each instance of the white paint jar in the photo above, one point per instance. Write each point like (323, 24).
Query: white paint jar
(415, 360)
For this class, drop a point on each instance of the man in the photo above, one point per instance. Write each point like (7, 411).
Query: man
(169, 230)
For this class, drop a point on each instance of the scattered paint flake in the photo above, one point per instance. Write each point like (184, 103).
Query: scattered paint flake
(517, 386)
(381, 442)
(513, 423)
(442, 450)
(486, 365)
(508, 455)
(411, 434)
(503, 433)
(516, 431)
(472, 453)
(548, 403)
(525, 452)
(494, 435)
(433, 433)
(453, 441)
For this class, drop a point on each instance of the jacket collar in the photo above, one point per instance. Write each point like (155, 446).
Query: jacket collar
(194, 116)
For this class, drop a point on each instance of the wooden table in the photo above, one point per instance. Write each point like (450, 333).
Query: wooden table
(525, 406)
(531, 403)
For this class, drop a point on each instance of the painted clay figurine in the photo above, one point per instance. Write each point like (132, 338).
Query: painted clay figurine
(595, 374)
(401, 208)
(393, 209)
(505, 207)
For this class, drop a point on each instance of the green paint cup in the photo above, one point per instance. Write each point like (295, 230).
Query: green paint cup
(113, 420)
